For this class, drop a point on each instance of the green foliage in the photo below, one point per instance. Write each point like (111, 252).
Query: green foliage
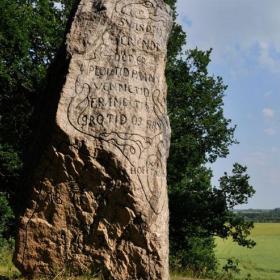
(236, 190)
(231, 266)
(10, 166)
(6, 215)
(201, 134)
(30, 35)
(196, 252)
(260, 215)
(236, 186)
(10, 162)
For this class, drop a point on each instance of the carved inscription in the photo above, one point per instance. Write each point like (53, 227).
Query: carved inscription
(119, 93)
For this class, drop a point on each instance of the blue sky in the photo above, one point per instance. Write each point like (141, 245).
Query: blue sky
(245, 37)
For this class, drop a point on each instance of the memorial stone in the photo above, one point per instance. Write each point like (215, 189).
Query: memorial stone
(98, 199)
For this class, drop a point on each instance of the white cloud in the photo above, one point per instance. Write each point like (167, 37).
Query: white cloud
(268, 113)
(222, 23)
(245, 38)
(234, 26)
(266, 58)
(270, 131)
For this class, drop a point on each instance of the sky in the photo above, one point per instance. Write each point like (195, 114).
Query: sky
(245, 37)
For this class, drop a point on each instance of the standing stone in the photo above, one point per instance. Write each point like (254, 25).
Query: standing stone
(99, 193)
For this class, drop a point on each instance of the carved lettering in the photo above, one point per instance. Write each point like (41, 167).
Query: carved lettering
(140, 27)
(119, 87)
(122, 72)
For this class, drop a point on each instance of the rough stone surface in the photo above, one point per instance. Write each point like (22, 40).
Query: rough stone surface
(99, 195)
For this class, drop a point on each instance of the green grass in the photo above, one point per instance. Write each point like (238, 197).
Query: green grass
(7, 268)
(261, 262)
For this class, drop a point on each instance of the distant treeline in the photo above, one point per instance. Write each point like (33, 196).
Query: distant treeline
(260, 215)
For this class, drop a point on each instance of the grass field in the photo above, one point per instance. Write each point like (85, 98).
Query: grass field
(261, 262)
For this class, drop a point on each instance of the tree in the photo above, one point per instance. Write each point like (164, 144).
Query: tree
(31, 32)
(6, 215)
(200, 135)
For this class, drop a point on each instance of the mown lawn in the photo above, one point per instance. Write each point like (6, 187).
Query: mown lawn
(261, 262)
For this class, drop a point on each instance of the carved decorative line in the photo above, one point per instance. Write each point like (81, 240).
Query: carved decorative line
(152, 191)
(139, 179)
(122, 4)
(126, 136)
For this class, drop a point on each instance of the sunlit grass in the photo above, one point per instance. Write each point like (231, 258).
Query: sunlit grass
(7, 268)
(261, 262)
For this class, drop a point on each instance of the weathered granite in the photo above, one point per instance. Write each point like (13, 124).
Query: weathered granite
(99, 195)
